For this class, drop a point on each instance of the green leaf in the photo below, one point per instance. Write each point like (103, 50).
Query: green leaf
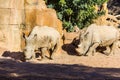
(62, 2)
(76, 12)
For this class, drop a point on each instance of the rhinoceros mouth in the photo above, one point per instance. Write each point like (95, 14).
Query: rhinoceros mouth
(28, 58)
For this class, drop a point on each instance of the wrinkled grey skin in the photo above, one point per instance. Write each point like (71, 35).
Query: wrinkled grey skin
(41, 39)
(96, 36)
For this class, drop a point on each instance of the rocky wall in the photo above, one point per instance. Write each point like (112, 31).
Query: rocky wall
(11, 16)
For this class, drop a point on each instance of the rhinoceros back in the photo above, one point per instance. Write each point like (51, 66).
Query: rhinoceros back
(46, 36)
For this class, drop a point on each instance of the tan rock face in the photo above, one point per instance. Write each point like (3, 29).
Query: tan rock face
(11, 16)
(48, 17)
(16, 13)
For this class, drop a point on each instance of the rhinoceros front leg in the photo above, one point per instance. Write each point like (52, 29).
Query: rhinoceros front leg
(43, 51)
(92, 49)
(33, 56)
(50, 54)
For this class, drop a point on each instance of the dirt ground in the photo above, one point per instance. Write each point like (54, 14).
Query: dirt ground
(64, 66)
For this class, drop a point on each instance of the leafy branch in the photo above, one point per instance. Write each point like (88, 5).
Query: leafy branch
(76, 12)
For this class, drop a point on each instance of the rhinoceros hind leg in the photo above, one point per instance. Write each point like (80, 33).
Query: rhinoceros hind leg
(114, 47)
(107, 51)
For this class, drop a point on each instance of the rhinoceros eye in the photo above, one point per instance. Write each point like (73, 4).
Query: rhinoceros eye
(81, 39)
(25, 50)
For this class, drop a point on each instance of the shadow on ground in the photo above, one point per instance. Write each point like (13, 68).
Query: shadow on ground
(70, 49)
(14, 55)
(12, 70)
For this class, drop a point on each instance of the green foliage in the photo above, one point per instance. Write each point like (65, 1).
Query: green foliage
(76, 12)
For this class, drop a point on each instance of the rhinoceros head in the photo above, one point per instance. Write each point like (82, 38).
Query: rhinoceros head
(84, 44)
(29, 50)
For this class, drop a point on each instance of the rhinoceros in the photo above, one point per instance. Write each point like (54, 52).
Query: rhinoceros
(94, 36)
(41, 39)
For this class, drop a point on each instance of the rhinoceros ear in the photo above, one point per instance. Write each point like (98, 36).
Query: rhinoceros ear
(24, 36)
(86, 35)
(35, 36)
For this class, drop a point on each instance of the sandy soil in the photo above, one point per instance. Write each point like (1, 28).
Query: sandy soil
(64, 66)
